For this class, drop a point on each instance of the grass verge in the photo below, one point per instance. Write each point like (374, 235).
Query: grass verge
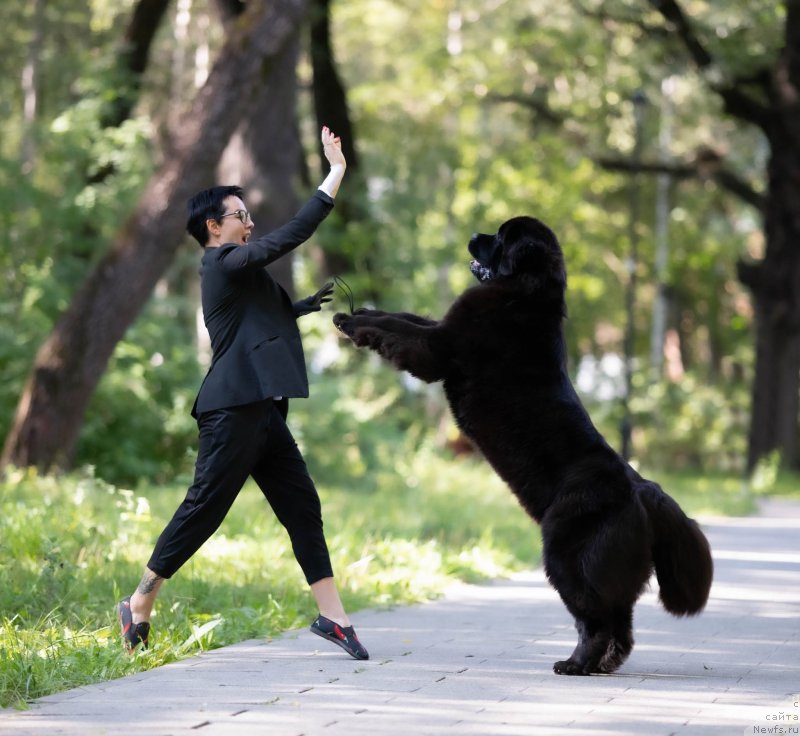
(70, 547)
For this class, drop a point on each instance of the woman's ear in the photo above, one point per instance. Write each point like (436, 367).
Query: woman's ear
(213, 227)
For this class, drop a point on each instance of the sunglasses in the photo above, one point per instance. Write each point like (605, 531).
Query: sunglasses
(243, 215)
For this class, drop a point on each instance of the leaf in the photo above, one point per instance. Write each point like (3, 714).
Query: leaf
(199, 633)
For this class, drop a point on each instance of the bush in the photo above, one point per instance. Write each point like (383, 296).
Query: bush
(691, 425)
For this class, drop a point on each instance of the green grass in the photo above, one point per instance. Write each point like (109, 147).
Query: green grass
(709, 493)
(730, 495)
(71, 547)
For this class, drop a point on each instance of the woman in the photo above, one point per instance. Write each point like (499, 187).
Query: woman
(241, 408)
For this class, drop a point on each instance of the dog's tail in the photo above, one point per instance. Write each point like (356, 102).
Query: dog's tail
(681, 554)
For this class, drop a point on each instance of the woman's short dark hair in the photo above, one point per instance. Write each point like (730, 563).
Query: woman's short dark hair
(208, 205)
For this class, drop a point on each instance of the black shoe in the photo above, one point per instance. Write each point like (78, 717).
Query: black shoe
(132, 634)
(344, 636)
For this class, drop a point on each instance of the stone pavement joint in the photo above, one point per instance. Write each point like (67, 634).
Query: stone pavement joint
(478, 662)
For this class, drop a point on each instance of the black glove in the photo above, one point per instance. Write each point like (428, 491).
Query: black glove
(314, 302)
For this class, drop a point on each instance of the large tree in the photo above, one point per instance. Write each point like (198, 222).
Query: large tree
(331, 109)
(758, 87)
(765, 94)
(70, 362)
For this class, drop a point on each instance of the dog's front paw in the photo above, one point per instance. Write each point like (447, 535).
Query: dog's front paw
(343, 323)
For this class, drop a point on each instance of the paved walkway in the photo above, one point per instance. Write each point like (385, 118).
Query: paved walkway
(479, 661)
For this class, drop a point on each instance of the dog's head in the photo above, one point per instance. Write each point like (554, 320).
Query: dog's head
(522, 247)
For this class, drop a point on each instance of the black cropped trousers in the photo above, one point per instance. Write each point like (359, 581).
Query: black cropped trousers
(237, 442)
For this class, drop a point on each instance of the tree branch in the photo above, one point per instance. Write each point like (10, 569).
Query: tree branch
(535, 103)
(707, 166)
(609, 20)
(330, 98)
(674, 15)
(132, 62)
(737, 103)
(133, 57)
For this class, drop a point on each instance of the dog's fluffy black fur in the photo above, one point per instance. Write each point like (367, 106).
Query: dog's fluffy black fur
(500, 352)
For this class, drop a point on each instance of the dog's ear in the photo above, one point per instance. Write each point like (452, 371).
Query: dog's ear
(531, 248)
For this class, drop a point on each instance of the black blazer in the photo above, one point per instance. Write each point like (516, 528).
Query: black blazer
(256, 345)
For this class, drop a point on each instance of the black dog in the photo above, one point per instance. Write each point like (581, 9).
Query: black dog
(500, 352)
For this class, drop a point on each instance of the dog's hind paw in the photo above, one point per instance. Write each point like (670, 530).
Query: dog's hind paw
(570, 667)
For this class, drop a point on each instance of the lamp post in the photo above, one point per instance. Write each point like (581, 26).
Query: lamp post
(639, 101)
(662, 232)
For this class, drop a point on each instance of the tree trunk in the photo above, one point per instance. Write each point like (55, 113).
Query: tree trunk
(330, 108)
(263, 155)
(773, 424)
(769, 99)
(133, 58)
(775, 286)
(131, 65)
(330, 100)
(775, 282)
(72, 359)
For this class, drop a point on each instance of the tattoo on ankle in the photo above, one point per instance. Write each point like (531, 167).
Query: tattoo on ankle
(148, 582)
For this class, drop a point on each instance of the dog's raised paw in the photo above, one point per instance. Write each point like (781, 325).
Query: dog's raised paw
(342, 322)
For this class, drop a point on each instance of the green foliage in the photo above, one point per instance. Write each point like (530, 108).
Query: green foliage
(692, 424)
(57, 214)
(767, 477)
(712, 493)
(464, 117)
(138, 427)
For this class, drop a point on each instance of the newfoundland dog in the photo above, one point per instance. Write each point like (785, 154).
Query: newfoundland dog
(500, 354)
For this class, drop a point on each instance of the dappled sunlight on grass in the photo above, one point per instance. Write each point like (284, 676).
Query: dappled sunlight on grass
(73, 546)
(70, 556)
(709, 493)
(395, 570)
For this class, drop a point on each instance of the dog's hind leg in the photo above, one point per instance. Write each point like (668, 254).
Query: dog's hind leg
(593, 615)
(621, 642)
(574, 665)
(594, 640)
(604, 643)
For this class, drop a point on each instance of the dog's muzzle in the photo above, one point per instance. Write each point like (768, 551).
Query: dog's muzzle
(486, 251)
